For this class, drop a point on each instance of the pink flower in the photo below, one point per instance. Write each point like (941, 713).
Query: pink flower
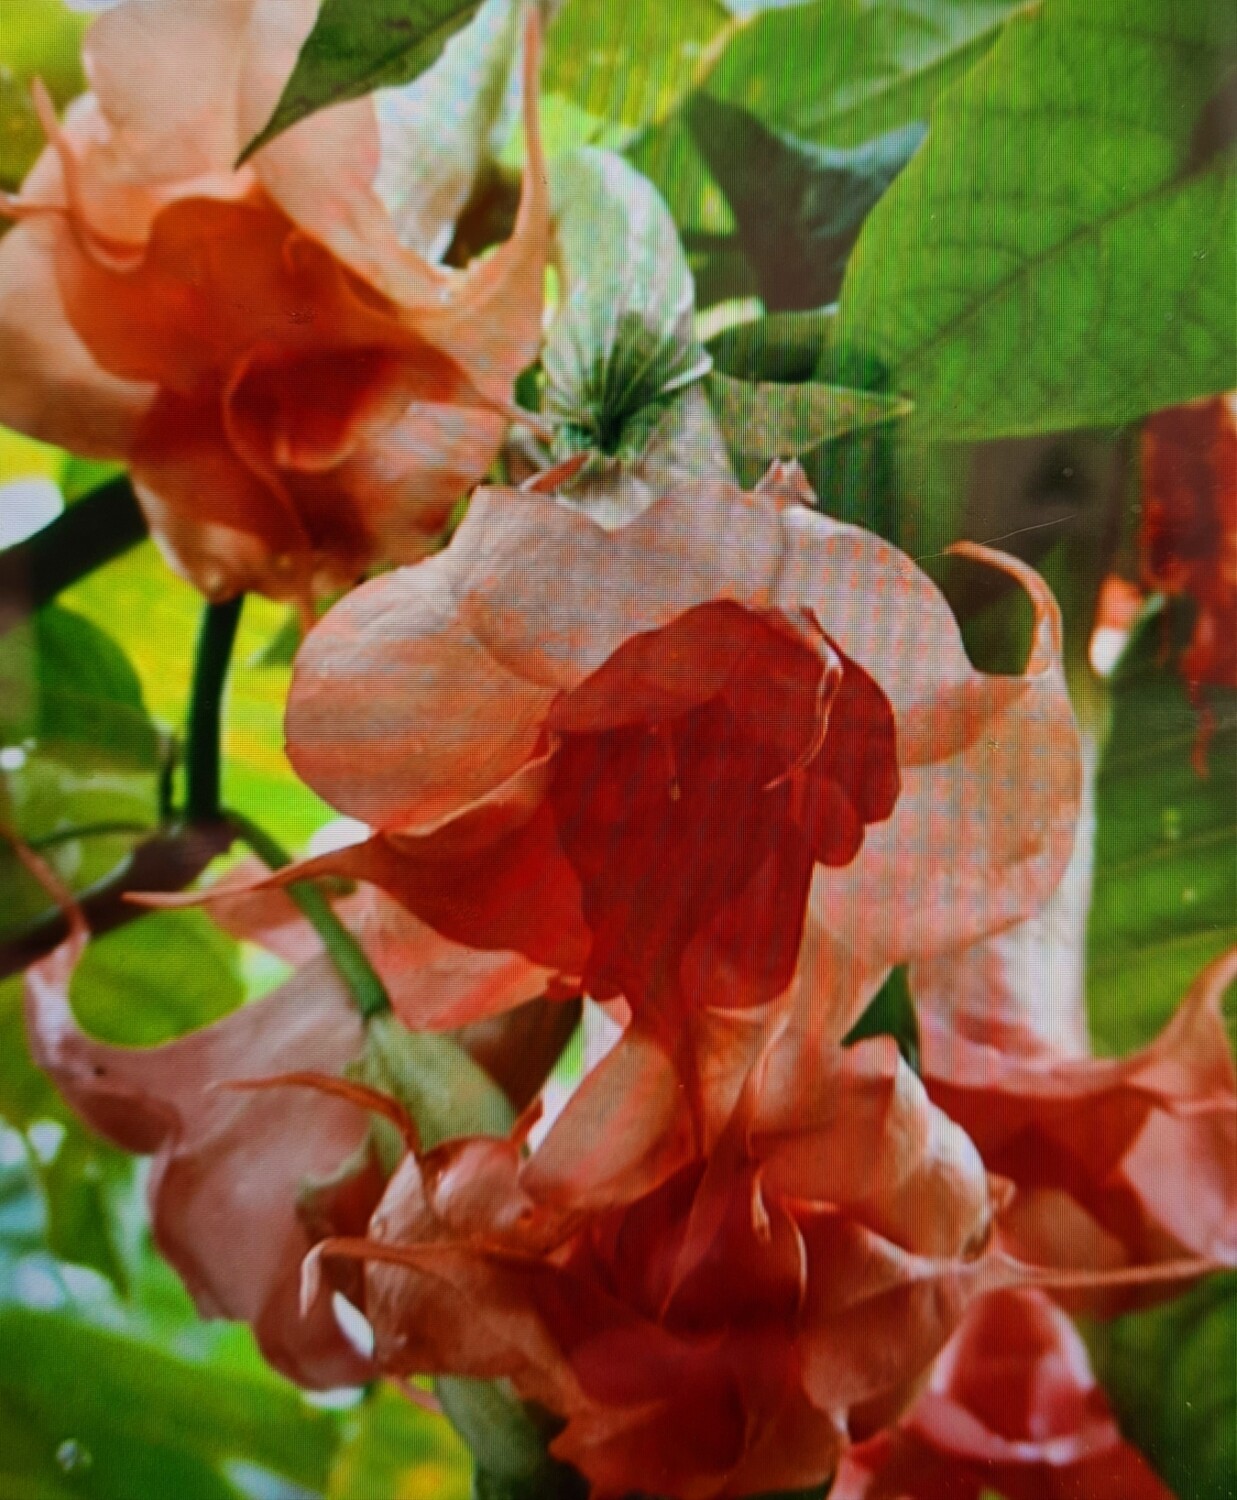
(297, 394)
(629, 753)
(1116, 1162)
(1013, 1409)
(229, 1166)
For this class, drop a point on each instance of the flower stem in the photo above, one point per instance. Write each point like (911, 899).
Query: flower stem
(210, 674)
(367, 990)
(99, 527)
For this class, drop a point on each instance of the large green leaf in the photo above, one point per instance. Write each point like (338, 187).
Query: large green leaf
(839, 72)
(622, 339)
(1166, 881)
(1060, 253)
(1172, 1376)
(633, 63)
(833, 72)
(92, 1415)
(798, 206)
(355, 48)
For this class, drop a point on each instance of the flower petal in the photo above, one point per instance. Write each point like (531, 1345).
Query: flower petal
(228, 1166)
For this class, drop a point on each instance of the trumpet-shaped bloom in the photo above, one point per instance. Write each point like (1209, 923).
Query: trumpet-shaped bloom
(1012, 1409)
(627, 753)
(296, 393)
(709, 1317)
(1116, 1162)
(229, 1166)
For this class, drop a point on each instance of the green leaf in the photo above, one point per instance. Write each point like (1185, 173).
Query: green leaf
(622, 338)
(783, 346)
(354, 49)
(765, 420)
(390, 1448)
(839, 72)
(82, 1187)
(799, 207)
(634, 62)
(1060, 252)
(833, 72)
(64, 680)
(1165, 899)
(39, 38)
(1172, 1378)
(509, 1448)
(158, 978)
(92, 1415)
(81, 756)
(155, 615)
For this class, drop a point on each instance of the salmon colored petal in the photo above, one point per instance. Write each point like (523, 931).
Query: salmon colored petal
(624, 1132)
(50, 385)
(170, 123)
(985, 824)
(368, 694)
(228, 1166)
(1012, 1407)
(855, 1127)
(490, 316)
(1142, 1150)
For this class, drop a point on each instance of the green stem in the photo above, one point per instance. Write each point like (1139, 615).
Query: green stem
(99, 527)
(210, 674)
(366, 988)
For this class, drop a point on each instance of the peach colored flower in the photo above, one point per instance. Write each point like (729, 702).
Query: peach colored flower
(1012, 1409)
(629, 753)
(706, 1322)
(1115, 1161)
(229, 1166)
(297, 393)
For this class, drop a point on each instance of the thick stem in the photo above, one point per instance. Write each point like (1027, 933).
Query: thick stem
(98, 528)
(210, 674)
(366, 988)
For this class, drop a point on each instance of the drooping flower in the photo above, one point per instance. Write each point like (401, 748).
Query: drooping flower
(708, 1317)
(1012, 1409)
(229, 1166)
(246, 1177)
(297, 393)
(628, 753)
(1115, 1161)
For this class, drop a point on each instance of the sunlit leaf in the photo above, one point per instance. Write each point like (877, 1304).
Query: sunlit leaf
(634, 62)
(1059, 254)
(394, 1449)
(164, 975)
(155, 615)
